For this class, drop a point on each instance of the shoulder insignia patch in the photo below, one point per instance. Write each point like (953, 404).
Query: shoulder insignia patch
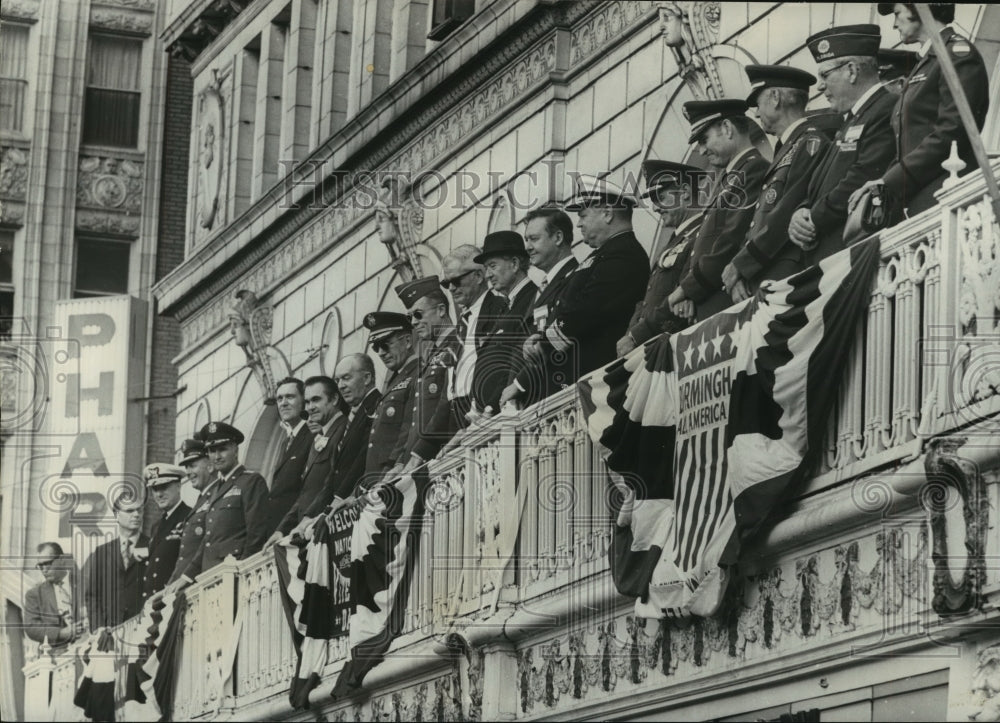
(812, 145)
(771, 196)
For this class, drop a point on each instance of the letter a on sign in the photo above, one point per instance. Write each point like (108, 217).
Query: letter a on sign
(86, 454)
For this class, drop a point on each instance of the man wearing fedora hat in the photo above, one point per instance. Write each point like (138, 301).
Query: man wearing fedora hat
(593, 312)
(864, 145)
(721, 129)
(505, 259)
(670, 187)
(163, 482)
(233, 502)
(779, 94)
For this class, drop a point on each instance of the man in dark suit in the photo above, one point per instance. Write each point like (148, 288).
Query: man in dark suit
(548, 239)
(431, 422)
(113, 574)
(287, 480)
(50, 608)
(234, 501)
(864, 145)
(779, 94)
(327, 415)
(721, 129)
(480, 312)
(505, 260)
(163, 482)
(670, 187)
(194, 461)
(355, 378)
(600, 296)
(925, 119)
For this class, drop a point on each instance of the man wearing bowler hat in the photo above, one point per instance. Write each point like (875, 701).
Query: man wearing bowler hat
(505, 260)
(235, 519)
(593, 312)
(671, 188)
(431, 421)
(163, 483)
(779, 94)
(721, 129)
(862, 148)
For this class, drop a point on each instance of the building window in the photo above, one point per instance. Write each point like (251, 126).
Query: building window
(448, 15)
(111, 108)
(101, 267)
(6, 283)
(13, 75)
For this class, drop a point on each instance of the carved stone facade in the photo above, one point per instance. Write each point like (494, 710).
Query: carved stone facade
(109, 194)
(691, 30)
(13, 183)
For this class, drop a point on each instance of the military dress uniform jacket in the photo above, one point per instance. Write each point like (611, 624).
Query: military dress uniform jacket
(164, 549)
(861, 151)
(189, 550)
(600, 296)
(724, 225)
(546, 375)
(234, 521)
(653, 315)
(286, 482)
(111, 591)
(432, 423)
(768, 252)
(390, 430)
(926, 121)
(316, 475)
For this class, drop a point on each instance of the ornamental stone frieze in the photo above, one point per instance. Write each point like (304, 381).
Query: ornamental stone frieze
(13, 173)
(437, 699)
(122, 21)
(212, 160)
(607, 23)
(815, 598)
(20, 9)
(109, 192)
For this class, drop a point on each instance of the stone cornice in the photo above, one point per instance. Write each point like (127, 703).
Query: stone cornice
(451, 114)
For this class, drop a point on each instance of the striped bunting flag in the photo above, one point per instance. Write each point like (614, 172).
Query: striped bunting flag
(96, 692)
(384, 547)
(150, 680)
(315, 595)
(704, 431)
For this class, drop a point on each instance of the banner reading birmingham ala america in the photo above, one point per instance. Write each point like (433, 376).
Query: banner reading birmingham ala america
(706, 430)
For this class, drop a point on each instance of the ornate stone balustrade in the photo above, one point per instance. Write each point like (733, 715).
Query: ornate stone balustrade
(512, 564)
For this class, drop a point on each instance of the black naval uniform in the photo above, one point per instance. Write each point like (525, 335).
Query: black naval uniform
(591, 315)
(768, 252)
(653, 315)
(723, 229)
(926, 121)
(432, 423)
(861, 151)
(164, 549)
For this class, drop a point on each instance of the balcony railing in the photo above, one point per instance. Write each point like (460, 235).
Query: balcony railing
(517, 517)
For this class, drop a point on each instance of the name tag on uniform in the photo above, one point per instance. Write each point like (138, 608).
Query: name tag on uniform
(854, 133)
(847, 147)
(541, 314)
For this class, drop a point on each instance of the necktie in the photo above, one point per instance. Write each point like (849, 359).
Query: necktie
(463, 324)
(777, 146)
(545, 282)
(127, 552)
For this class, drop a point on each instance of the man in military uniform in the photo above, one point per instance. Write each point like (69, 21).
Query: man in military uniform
(234, 501)
(164, 484)
(391, 337)
(194, 461)
(548, 239)
(925, 119)
(286, 481)
(779, 94)
(600, 296)
(670, 187)
(721, 129)
(863, 146)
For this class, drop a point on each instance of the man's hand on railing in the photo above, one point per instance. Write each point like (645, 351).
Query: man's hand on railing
(510, 394)
(680, 304)
(802, 230)
(739, 291)
(532, 347)
(859, 195)
(273, 540)
(624, 345)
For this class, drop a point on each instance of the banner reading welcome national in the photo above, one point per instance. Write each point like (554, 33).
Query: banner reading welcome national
(704, 431)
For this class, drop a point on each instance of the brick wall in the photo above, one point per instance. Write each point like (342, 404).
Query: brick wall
(161, 413)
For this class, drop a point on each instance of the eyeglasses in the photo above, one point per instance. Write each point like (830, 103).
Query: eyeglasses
(449, 283)
(416, 315)
(825, 74)
(379, 346)
(46, 564)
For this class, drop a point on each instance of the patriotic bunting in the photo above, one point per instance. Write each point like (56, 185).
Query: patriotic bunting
(384, 546)
(704, 431)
